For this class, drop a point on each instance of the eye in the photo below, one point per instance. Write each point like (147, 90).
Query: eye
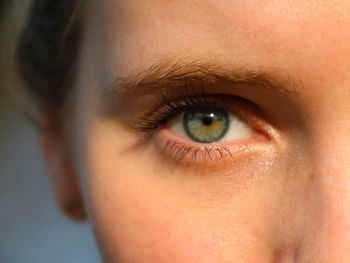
(202, 129)
(210, 125)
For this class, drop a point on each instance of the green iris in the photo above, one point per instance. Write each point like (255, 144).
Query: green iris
(206, 125)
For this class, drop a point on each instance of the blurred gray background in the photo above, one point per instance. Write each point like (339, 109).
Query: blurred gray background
(31, 228)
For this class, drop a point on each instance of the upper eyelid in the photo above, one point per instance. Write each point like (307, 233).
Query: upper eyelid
(170, 107)
(136, 91)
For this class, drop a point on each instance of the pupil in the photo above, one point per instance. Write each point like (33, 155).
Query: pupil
(207, 121)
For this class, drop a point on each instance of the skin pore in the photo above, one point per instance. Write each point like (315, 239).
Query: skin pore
(281, 195)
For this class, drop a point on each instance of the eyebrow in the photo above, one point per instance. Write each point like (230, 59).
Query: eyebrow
(166, 75)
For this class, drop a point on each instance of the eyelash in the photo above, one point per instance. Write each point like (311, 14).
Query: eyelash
(168, 108)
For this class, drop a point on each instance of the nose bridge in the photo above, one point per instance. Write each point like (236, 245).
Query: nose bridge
(331, 229)
(327, 233)
(329, 143)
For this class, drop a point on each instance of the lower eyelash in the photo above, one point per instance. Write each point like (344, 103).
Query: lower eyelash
(179, 151)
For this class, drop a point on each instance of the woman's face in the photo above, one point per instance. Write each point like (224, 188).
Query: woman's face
(216, 131)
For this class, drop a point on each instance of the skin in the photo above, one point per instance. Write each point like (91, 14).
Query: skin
(285, 198)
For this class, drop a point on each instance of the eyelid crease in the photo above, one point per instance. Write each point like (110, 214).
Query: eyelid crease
(167, 108)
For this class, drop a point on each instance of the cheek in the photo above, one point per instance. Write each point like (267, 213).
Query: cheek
(144, 213)
(138, 221)
(134, 217)
(135, 221)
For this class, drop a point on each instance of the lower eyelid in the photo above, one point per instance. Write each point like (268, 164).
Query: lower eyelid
(181, 149)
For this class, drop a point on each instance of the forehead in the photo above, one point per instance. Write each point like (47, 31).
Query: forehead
(299, 37)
